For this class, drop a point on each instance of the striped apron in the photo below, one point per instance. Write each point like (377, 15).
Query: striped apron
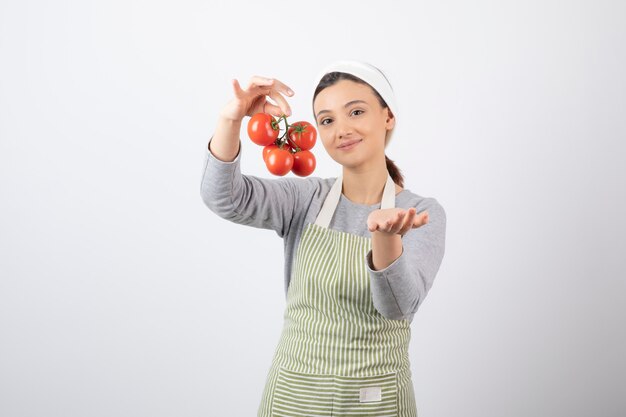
(337, 355)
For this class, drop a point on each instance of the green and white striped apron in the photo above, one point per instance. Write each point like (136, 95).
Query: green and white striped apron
(337, 355)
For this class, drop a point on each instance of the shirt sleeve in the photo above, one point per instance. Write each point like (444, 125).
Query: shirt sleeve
(247, 199)
(399, 289)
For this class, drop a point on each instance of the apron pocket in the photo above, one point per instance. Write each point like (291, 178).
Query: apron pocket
(375, 395)
(298, 394)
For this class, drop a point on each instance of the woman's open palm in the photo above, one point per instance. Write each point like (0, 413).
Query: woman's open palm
(396, 220)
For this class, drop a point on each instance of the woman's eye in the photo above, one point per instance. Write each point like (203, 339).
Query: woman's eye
(322, 122)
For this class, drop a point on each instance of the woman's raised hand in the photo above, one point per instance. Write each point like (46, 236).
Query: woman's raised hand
(253, 99)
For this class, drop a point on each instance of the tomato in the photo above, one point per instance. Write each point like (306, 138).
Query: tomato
(263, 129)
(303, 163)
(268, 149)
(303, 135)
(279, 161)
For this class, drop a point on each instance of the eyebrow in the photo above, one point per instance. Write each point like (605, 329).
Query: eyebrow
(345, 105)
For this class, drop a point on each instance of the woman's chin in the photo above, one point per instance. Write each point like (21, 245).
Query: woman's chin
(349, 161)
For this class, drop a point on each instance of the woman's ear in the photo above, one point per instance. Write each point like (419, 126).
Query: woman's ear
(391, 119)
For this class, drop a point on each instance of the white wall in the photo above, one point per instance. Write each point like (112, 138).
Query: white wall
(121, 294)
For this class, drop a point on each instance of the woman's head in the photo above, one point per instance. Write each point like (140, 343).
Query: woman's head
(347, 108)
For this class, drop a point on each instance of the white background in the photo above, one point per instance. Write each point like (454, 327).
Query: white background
(122, 294)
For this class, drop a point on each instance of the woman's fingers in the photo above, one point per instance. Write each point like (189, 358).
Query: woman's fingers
(237, 89)
(253, 90)
(396, 221)
(283, 88)
(273, 109)
(394, 224)
(269, 87)
(276, 93)
(408, 223)
(421, 219)
(399, 221)
(388, 225)
(372, 226)
(264, 83)
(278, 98)
(257, 81)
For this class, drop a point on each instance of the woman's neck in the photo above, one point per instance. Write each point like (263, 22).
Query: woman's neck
(365, 186)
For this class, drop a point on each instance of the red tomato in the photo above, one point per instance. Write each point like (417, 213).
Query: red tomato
(303, 134)
(262, 129)
(303, 163)
(268, 149)
(279, 161)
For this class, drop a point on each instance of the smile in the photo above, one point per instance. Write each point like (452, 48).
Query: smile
(348, 147)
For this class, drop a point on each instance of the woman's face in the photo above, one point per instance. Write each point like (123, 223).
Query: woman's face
(364, 120)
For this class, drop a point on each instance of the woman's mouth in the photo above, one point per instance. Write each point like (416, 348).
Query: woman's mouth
(350, 145)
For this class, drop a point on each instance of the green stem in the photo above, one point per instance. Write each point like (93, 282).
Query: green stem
(293, 145)
(283, 139)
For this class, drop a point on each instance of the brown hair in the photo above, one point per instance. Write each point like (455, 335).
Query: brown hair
(333, 77)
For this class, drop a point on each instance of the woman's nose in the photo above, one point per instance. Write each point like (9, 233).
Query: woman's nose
(343, 129)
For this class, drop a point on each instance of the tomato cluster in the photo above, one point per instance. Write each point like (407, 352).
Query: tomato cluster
(290, 152)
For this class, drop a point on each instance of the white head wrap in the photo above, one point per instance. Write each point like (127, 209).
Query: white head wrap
(371, 75)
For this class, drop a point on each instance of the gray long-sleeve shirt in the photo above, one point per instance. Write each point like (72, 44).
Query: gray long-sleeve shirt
(287, 204)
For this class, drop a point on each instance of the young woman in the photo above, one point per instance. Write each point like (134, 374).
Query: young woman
(361, 251)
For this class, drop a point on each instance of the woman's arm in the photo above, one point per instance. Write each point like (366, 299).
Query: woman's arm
(224, 144)
(400, 288)
(247, 199)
